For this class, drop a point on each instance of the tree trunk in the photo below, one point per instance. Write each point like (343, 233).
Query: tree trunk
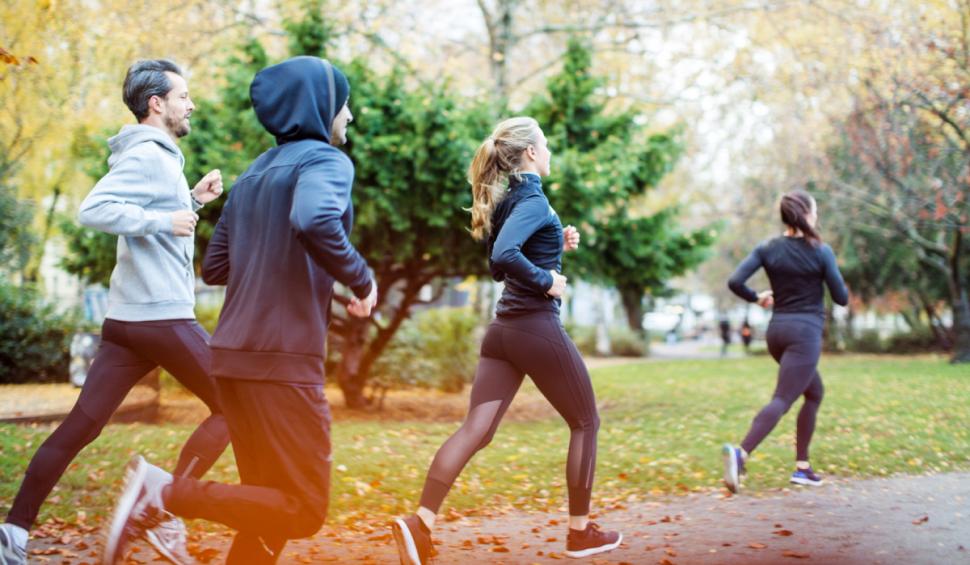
(633, 307)
(961, 305)
(961, 331)
(358, 355)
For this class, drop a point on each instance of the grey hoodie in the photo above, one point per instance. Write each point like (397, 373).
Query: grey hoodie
(153, 278)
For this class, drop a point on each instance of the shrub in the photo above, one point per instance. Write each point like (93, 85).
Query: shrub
(437, 348)
(584, 337)
(34, 340)
(866, 342)
(627, 343)
(920, 340)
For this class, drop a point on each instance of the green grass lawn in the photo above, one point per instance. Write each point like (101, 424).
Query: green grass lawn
(662, 427)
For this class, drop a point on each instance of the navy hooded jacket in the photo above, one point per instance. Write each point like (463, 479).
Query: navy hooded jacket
(282, 239)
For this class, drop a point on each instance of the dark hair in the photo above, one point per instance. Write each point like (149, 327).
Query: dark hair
(795, 208)
(146, 78)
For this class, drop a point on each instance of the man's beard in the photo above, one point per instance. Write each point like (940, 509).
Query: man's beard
(178, 127)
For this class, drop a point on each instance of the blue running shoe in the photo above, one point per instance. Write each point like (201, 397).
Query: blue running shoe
(805, 477)
(733, 467)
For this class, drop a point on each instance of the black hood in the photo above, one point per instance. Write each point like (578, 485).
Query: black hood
(299, 98)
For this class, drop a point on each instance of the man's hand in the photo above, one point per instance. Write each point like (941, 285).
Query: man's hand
(558, 287)
(183, 222)
(570, 236)
(209, 188)
(362, 308)
(766, 299)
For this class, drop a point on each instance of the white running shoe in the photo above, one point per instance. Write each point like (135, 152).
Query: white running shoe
(168, 539)
(138, 509)
(10, 552)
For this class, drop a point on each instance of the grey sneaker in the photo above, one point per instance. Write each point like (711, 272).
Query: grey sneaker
(10, 552)
(733, 467)
(168, 539)
(139, 508)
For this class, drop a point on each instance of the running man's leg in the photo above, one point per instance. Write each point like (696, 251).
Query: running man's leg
(181, 347)
(801, 349)
(806, 417)
(496, 382)
(281, 439)
(114, 371)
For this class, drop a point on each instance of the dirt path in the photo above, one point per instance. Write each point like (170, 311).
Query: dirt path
(899, 520)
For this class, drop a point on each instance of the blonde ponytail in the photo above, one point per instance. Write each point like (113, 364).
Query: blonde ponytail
(495, 159)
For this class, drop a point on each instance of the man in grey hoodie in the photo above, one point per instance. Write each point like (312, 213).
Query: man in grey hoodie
(146, 201)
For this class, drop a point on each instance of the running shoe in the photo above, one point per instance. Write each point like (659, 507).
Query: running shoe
(10, 552)
(805, 477)
(733, 467)
(592, 540)
(138, 509)
(413, 540)
(168, 539)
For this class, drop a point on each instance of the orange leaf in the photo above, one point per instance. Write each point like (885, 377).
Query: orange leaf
(756, 545)
(795, 554)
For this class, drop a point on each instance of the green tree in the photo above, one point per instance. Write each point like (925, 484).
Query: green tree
(16, 238)
(604, 163)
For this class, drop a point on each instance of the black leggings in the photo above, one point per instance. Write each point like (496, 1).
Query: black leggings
(128, 351)
(534, 345)
(796, 344)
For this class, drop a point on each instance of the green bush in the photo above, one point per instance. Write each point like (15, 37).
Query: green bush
(627, 343)
(34, 341)
(584, 337)
(920, 340)
(437, 348)
(866, 342)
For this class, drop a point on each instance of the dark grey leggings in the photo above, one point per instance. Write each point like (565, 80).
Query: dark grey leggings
(534, 345)
(796, 344)
(128, 351)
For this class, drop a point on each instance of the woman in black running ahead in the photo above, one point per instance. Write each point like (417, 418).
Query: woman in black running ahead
(525, 245)
(797, 264)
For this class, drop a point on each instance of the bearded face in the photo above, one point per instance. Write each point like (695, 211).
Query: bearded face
(177, 107)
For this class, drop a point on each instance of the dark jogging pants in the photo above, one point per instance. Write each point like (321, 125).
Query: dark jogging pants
(795, 341)
(535, 345)
(281, 438)
(128, 351)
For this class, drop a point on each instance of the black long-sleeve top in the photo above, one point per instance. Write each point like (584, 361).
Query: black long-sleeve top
(797, 270)
(526, 242)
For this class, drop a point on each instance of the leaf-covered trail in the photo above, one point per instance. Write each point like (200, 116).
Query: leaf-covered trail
(904, 519)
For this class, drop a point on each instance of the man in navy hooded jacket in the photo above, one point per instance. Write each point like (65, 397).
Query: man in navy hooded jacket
(280, 244)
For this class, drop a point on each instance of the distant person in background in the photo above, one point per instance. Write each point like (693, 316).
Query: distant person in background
(747, 335)
(725, 328)
(799, 267)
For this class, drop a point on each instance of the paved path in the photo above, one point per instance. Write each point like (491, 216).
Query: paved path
(912, 520)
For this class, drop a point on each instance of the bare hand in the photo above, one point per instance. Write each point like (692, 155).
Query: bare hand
(766, 299)
(183, 222)
(570, 236)
(362, 308)
(209, 188)
(558, 287)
